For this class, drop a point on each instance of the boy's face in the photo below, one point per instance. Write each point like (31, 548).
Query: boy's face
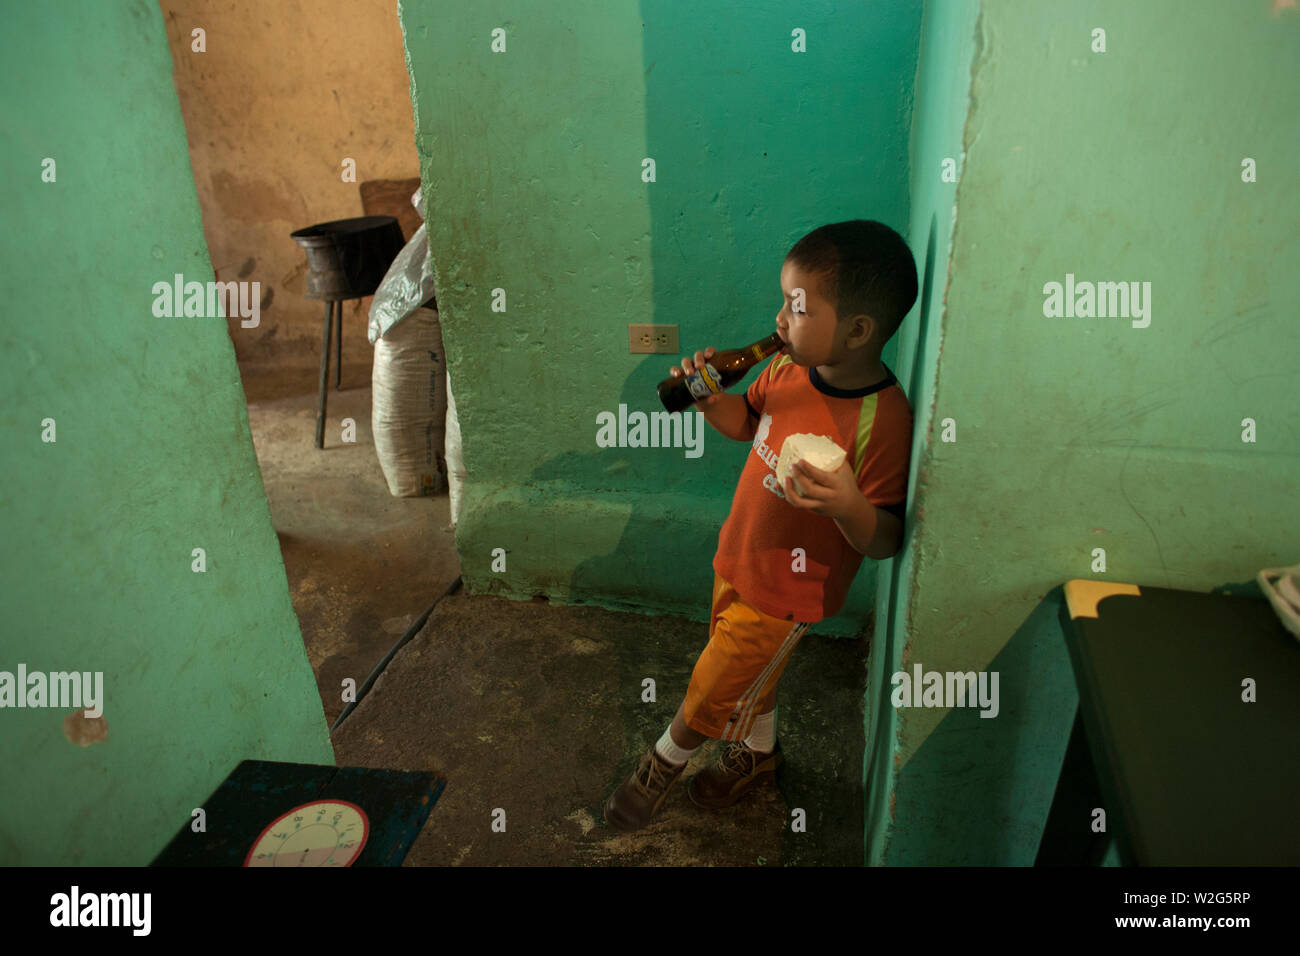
(814, 336)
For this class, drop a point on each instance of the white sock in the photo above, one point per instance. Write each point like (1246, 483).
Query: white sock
(672, 753)
(762, 733)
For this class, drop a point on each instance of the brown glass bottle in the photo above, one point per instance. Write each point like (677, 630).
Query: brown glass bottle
(718, 374)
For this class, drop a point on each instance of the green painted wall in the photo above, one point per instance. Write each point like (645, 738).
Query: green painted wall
(532, 163)
(1078, 433)
(153, 458)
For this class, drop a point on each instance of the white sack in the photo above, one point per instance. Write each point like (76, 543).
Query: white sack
(409, 405)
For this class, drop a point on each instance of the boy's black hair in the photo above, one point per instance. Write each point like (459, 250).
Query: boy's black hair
(862, 266)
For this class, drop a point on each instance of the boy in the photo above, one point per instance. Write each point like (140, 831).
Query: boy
(785, 560)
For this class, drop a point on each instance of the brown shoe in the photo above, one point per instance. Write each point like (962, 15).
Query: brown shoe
(732, 775)
(631, 806)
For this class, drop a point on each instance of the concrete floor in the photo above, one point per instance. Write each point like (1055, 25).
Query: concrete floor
(523, 706)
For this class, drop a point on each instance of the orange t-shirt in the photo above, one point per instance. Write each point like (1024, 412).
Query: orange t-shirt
(757, 542)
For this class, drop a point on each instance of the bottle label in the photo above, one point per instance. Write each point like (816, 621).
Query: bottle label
(704, 382)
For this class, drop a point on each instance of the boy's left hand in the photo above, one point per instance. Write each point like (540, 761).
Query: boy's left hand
(834, 494)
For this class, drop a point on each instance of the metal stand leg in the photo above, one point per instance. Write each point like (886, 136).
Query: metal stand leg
(338, 368)
(324, 372)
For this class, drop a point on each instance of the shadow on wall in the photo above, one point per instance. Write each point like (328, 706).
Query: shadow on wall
(921, 419)
(977, 792)
(711, 488)
(879, 778)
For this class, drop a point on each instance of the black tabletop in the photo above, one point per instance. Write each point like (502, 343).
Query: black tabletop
(395, 804)
(1199, 774)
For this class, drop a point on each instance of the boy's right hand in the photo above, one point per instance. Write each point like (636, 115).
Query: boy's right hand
(689, 366)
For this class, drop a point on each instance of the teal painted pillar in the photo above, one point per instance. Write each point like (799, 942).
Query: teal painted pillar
(138, 541)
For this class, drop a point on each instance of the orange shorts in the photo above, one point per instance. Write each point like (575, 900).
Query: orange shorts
(735, 678)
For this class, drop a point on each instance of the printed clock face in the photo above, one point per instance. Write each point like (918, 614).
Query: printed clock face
(321, 833)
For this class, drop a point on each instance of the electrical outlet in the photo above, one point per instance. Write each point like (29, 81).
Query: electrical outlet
(652, 339)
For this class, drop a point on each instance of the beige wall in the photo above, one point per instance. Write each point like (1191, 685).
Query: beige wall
(285, 91)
